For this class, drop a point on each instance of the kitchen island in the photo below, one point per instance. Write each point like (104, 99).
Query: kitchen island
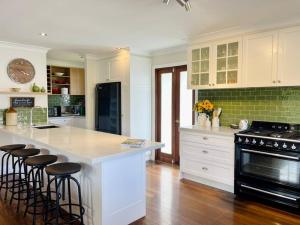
(113, 178)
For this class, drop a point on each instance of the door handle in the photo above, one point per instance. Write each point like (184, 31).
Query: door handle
(271, 154)
(177, 121)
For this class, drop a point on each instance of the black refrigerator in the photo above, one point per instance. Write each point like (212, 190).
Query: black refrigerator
(108, 107)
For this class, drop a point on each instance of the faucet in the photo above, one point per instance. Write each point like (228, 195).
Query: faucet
(31, 112)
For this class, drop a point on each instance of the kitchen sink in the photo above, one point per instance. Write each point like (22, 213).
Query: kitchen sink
(46, 127)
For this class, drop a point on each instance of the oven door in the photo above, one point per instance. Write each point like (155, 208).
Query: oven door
(278, 167)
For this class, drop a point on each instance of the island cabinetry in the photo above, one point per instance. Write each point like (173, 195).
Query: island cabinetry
(207, 159)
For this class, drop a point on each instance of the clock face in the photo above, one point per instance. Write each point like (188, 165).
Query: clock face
(20, 71)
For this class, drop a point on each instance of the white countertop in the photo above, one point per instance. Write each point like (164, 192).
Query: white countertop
(91, 146)
(224, 131)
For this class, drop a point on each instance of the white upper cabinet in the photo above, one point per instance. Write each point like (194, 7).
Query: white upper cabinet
(215, 65)
(289, 56)
(199, 67)
(265, 59)
(227, 64)
(260, 59)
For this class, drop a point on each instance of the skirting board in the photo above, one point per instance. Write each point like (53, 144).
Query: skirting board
(207, 182)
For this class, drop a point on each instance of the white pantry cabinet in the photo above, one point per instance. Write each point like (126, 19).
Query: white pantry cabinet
(134, 73)
(260, 59)
(289, 55)
(207, 157)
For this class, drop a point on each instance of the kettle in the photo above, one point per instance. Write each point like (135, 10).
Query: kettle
(243, 125)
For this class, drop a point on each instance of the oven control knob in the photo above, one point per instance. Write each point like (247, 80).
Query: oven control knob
(276, 144)
(240, 139)
(261, 142)
(284, 145)
(294, 147)
(254, 141)
(247, 141)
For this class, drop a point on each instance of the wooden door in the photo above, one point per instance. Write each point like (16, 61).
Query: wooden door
(168, 91)
(77, 80)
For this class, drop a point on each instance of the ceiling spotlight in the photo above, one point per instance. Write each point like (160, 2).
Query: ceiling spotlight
(188, 6)
(183, 3)
(43, 34)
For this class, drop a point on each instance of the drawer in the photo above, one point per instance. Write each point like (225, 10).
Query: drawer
(218, 173)
(207, 139)
(206, 152)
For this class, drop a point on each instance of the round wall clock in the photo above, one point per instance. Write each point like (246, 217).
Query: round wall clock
(20, 71)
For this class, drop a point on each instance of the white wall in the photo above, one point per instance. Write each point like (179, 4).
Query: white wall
(169, 59)
(64, 63)
(37, 56)
(140, 97)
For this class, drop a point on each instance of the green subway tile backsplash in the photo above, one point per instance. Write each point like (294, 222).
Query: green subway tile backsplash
(278, 104)
(39, 115)
(58, 100)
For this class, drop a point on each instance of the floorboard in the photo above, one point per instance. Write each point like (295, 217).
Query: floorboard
(174, 202)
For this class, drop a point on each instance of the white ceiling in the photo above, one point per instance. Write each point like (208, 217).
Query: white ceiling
(98, 26)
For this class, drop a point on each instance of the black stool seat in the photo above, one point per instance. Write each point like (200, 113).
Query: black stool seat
(9, 148)
(41, 160)
(63, 169)
(25, 152)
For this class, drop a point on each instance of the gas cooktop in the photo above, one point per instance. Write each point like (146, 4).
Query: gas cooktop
(275, 136)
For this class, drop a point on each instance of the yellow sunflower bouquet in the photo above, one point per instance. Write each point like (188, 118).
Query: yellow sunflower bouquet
(204, 106)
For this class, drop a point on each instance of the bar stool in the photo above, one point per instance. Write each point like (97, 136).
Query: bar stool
(5, 160)
(20, 182)
(61, 173)
(35, 195)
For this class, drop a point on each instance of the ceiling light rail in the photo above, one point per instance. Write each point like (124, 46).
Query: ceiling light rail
(184, 3)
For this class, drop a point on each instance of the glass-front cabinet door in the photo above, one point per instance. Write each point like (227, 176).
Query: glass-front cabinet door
(227, 59)
(200, 67)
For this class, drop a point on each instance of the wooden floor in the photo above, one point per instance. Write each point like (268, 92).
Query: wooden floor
(174, 202)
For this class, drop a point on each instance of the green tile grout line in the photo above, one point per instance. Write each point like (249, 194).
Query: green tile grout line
(277, 104)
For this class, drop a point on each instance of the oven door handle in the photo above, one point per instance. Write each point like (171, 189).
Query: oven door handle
(268, 192)
(271, 154)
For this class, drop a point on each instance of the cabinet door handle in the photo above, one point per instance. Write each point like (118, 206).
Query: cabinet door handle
(274, 81)
(213, 84)
(205, 138)
(204, 168)
(209, 84)
(205, 152)
(279, 81)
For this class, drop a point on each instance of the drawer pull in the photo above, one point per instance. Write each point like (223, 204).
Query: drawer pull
(205, 152)
(204, 168)
(205, 138)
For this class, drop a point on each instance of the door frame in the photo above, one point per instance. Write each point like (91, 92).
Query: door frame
(175, 70)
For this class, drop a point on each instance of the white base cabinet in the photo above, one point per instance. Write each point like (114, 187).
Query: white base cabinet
(207, 159)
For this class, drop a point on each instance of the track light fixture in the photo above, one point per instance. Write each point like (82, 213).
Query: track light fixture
(184, 3)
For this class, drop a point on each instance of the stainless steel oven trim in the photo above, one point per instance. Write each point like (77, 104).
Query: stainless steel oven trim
(271, 138)
(271, 154)
(268, 192)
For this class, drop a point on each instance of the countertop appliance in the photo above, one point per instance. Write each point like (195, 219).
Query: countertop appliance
(267, 164)
(108, 107)
(54, 111)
